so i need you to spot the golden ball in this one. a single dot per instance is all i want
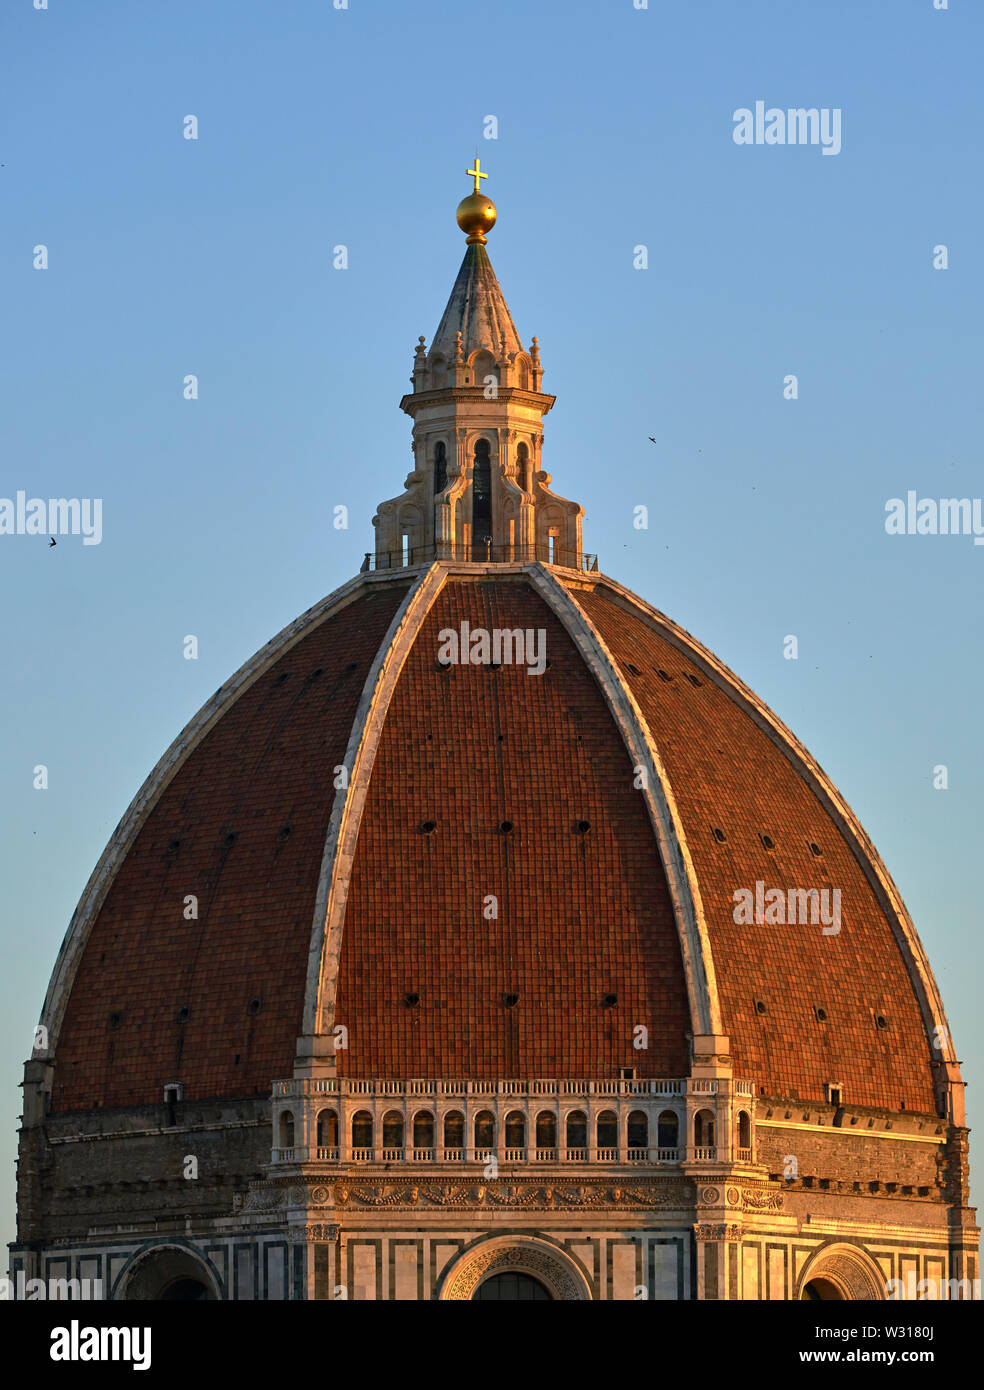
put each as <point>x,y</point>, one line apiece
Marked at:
<point>476,216</point>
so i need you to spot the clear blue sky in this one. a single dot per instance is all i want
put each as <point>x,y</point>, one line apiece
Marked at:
<point>320,127</point>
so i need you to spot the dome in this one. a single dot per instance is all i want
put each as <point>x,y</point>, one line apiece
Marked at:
<point>485,934</point>
<point>492,894</point>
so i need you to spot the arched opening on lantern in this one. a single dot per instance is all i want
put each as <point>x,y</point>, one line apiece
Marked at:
<point>440,466</point>
<point>523,467</point>
<point>481,500</point>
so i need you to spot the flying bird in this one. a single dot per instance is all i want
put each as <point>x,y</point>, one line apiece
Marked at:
<point>53,541</point>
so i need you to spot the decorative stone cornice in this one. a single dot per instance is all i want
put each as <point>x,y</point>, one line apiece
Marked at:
<point>718,1231</point>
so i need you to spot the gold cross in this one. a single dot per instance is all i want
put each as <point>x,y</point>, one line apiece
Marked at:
<point>476,173</point>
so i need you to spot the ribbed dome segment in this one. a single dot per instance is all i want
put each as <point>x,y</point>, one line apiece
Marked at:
<point>474,784</point>
<point>477,309</point>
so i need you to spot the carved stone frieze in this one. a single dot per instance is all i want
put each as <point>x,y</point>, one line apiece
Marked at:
<point>533,1195</point>
<point>760,1199</point>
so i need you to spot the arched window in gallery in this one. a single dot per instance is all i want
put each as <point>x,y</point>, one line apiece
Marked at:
<point>327,1129</point>
<point>546,1130</point>
<point>454,1130</point>
<point>667,1130</point>
<point>362,1130</point>
<point>392,1130</point>
<point>485,1130</point>
<point>744,1130</point>
<point>423,1130</point>
<point>638,1130</point>
<point>515,1130</point>
<point>577,1130</point>
<point>608,1130</point>
<point>704,1129</point>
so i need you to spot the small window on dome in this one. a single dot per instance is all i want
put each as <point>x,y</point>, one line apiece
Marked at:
<point>694,680</point>
<point>663,675</point>
<point>718,834</point>
<point>767,842</point>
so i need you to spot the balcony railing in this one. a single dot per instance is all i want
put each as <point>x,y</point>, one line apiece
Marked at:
<point>337,1109</point>
<point>481,553</point>
<point>632,1154</point>
<point>352,1086</point>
